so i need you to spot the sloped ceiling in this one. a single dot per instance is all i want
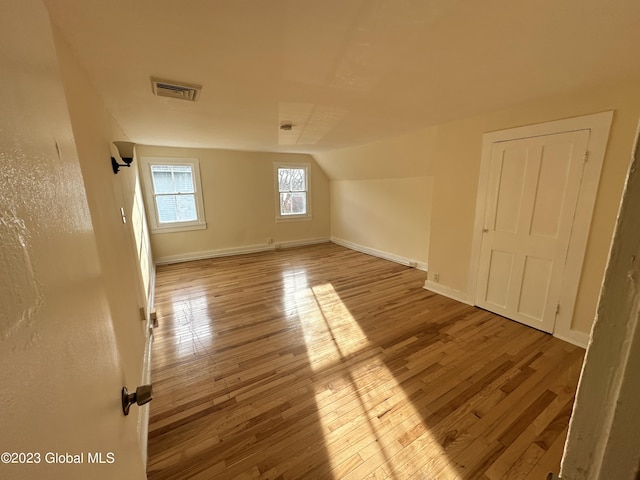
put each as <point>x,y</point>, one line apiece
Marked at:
<point>342,72</point>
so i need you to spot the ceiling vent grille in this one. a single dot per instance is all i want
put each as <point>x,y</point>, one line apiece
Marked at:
<point>179,90</point>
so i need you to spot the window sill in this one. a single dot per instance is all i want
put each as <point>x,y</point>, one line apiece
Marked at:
<point>293,218</point>
<point>179,228</point>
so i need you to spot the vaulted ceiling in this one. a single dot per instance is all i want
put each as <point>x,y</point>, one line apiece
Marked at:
<point>342,72</point>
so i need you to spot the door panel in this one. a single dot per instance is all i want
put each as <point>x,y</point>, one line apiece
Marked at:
<point>511,183</point>
<point>536,278</point>
<point>533,187</point>
<point>554,170</point>
<point>60,366</point>
<point>500,267</point>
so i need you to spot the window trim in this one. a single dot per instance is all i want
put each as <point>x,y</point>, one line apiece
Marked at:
<point>152,210</point>
<point>296,216</point>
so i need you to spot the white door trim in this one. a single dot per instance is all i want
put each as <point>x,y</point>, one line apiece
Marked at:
<point>599,125</point>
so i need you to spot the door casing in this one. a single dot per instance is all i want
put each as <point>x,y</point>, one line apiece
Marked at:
<point>599,125</point>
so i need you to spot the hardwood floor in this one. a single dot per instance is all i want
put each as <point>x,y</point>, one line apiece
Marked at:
<point>321,362</point>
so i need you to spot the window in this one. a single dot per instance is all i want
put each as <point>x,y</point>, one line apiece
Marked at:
<point>173,189</point>
<point>292,187</point>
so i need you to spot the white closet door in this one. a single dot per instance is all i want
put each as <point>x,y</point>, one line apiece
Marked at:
<point>532,190</point>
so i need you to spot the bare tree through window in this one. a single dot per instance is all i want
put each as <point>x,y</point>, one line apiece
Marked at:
<point>292,186</point>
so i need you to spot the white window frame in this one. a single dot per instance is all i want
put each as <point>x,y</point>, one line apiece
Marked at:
<point>298,216</point>
<point>152,210</point>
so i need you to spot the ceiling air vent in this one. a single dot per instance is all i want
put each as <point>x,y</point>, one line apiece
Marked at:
<point>181,91</point>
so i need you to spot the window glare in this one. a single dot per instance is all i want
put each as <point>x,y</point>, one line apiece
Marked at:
<point>186,207</point>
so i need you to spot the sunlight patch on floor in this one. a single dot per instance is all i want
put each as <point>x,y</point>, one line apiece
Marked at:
<point>369,425</point>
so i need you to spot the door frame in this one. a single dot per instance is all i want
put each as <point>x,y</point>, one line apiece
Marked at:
<point>599,125</point>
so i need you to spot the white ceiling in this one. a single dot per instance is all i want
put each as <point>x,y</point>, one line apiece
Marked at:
<point>344,72</point>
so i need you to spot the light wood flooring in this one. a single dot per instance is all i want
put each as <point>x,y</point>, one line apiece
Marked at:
<point>321,362</point>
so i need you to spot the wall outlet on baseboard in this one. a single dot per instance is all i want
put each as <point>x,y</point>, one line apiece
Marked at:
<point>153,319</point>
<point>436,277</point>
<point>269,240</point>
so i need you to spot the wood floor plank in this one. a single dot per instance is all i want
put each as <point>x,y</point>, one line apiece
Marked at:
<point>321,362</point>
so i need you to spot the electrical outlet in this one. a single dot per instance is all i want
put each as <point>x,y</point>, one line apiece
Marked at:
<point>153,318</point>
<point>269,240</point>
<point>436,277</point>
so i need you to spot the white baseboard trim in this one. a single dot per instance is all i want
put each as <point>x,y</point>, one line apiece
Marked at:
<point>380,254</point>
<point>574,337</point>
<point>580,339</point>
<point>151,294</point>
<point>226,252</point>
<point>447,292</point>
<point>143,411</point>
<point>222,252</point>
<point>302,243</point>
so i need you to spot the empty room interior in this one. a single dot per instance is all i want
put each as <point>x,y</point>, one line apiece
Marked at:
<point>341,239</point>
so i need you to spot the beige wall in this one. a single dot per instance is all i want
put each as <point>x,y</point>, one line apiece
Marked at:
<point>239,204</point>
<point>390,216</point>
<point>107,193</point>
<point>381,195</point>
<point>408,155</point>
<point>451,153</point>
